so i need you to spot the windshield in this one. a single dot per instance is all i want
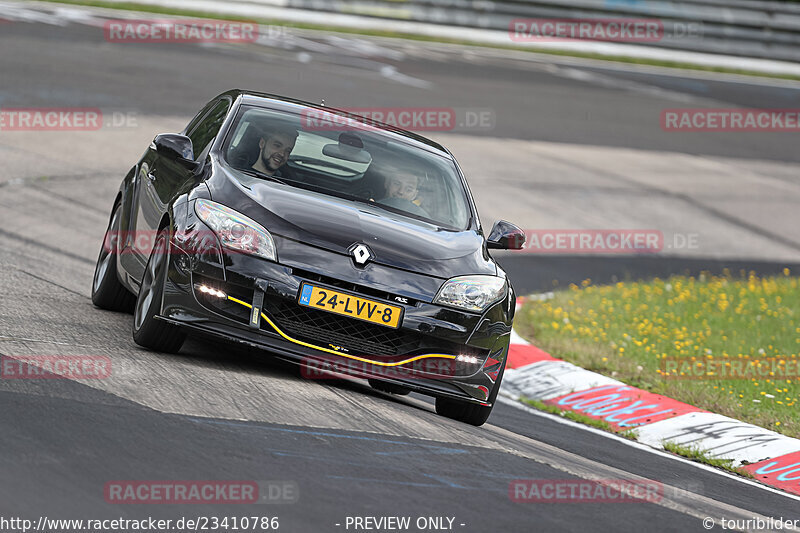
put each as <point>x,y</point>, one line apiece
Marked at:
<point>348,160</point>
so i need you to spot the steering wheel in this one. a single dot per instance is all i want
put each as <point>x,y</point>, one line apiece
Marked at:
<point>405,205</point>
<point>365,192</point>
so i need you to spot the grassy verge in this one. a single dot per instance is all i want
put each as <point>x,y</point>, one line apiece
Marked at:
<point>745,329</point>
<point>163,10</point>
<point>580,418</point>
<point>699,456</point>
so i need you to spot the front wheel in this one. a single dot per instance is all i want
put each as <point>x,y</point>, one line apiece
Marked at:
<point>107,291</point>
<point>148,331</point>
<point>469,413</point>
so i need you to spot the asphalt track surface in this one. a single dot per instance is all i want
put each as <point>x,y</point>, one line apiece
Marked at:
<point>214,412</point>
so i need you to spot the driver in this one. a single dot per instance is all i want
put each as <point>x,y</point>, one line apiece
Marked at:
<point>402,190</point>
<point>403,185</point>
<point>275,145</point>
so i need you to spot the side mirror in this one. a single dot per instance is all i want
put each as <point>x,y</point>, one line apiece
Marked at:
<point>505,236</point>
<point>176,148</point>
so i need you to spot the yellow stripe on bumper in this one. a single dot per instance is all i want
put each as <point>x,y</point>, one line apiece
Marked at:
<point>334,352</point>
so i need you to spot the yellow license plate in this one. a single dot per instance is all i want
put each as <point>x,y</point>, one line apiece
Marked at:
<point>350,305</point>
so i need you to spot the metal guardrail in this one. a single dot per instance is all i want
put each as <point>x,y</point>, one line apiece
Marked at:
<point>750,28</point>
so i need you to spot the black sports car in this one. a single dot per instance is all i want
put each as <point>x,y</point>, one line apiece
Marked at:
<point>340,243</point>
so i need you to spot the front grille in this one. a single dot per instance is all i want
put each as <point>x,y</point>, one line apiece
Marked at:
<point>359,337</point>
<point>355,335</point>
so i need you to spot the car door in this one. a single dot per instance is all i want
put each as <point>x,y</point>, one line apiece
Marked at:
<point>160,179</point>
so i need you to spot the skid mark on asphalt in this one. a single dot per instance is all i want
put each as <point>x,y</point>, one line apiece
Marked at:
<point>495,477</point>
<point>251,426</point>
<point>386,482</point>
<point>328,460</point>
<point>490,483</point>
<point>55,284</point>
<point>30,242</point>
<point>48,194</point>
<point>11,338</point>
<point>447,451</point>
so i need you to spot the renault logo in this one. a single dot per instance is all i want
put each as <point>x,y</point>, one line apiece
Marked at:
<point>361,254</point>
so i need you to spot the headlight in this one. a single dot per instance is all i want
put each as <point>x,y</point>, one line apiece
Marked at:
<point>473,293</point>
<point>236,231</point>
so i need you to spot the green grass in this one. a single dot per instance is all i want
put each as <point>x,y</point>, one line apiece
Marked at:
<point>697,455</point>
<point>580,418</point>
<point>164,10</point>
<point>632,330</point>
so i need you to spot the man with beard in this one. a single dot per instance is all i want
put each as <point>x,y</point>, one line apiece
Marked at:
<point>275,145</point>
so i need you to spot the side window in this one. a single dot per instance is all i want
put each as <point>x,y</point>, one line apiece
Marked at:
<point>193,124</point>
<point>205,131</point>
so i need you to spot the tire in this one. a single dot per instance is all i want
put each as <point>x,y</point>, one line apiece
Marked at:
<point>149,332</point>
<point>107,291</point>
<point>469,413</point>
<point>391,388</point>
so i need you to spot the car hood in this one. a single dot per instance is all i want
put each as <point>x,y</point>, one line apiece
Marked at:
<point>336,224</point>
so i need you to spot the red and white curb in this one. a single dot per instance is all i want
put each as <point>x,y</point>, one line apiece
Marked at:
<point>773,459</point>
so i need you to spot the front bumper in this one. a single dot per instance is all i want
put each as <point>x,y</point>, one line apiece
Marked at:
<point>254,302</point>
